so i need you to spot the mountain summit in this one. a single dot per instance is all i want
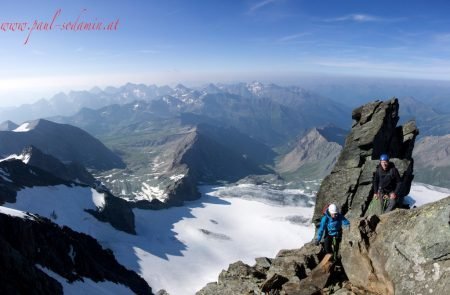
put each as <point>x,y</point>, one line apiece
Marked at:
<point>65,142</point>
<point>312,157</point>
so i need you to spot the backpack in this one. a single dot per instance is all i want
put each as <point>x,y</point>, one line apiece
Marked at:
<point>325,208</point>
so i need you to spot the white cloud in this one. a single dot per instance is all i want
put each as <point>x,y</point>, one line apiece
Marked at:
<point>293,37</point>
<point>361,18</point>
<point>261,4</point>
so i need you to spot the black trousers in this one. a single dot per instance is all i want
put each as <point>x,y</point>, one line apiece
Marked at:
<point>329,241</point>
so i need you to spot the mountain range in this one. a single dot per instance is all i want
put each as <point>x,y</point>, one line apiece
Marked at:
<point>171,142</point>
<point>160,142</point>
<point>97,169</point>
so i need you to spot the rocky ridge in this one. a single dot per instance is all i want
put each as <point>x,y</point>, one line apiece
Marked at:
<point>72,171</point>
<point>374,131</point>
<point>30,244</point>
<point>398,253</point>
<point>308,156</point>
<point>16,175</point>
<point>403,252</point>
<point>65,142</point>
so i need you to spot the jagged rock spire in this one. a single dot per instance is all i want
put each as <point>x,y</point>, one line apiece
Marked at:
<point>374,131</point>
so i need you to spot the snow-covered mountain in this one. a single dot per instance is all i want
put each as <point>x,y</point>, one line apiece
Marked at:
<point>71,172</point>
<point>63,104</point>
<point>64,142</point>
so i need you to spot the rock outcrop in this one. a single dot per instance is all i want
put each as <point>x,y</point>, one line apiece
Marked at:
<point>72,171</point>
<point>279,275</point>
<point>374,131</point>
<point>16,175</point>
<point>118,212</point>
<point>380,255</point>
<point>403,252</point>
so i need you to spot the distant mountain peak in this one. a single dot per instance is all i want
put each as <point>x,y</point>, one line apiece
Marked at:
<point>256,87</point>
<point>24,127</point>
<point>211,89</point>
<point>96,90</point>
<point>333,134</point>
<point>34,124</point>
<point>181,87</point>
<point>8,126</point>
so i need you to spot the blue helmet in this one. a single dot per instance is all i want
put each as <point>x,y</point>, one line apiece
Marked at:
<point>384,157</point>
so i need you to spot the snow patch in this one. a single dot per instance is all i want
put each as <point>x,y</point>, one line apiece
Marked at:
<point>87,286</point>
<point>176,177</point>
<point>422,194</point>
<point>98,199</point>
<point>151,192</point>
<point>23,158</point>
<point>13,212</point>
<point>25,127</point>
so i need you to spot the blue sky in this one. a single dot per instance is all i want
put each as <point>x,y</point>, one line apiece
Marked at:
<point>197,41</point>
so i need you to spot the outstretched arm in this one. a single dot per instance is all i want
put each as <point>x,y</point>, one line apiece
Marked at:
<point>345,221</point>
<point>321,230</point>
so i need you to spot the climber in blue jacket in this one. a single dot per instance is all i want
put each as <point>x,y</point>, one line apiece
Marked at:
<point>331,228</point>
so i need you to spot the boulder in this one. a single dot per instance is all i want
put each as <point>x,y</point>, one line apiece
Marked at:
<point>402,252</point>
<point>240,278</point>
<point>280,275</point>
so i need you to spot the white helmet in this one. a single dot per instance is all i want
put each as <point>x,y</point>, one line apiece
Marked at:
<point>332,209</point>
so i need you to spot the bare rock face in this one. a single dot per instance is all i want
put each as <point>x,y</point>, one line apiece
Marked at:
<point>313,157</point>
<point>280,275</point>
<point>29,242</point>
<point>380,255</point>
<point>374,132</point>
<point>403,252</point>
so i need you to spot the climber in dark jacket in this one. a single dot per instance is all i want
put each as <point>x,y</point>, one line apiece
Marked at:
<point>386,183</point>
<point>331,228</point>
